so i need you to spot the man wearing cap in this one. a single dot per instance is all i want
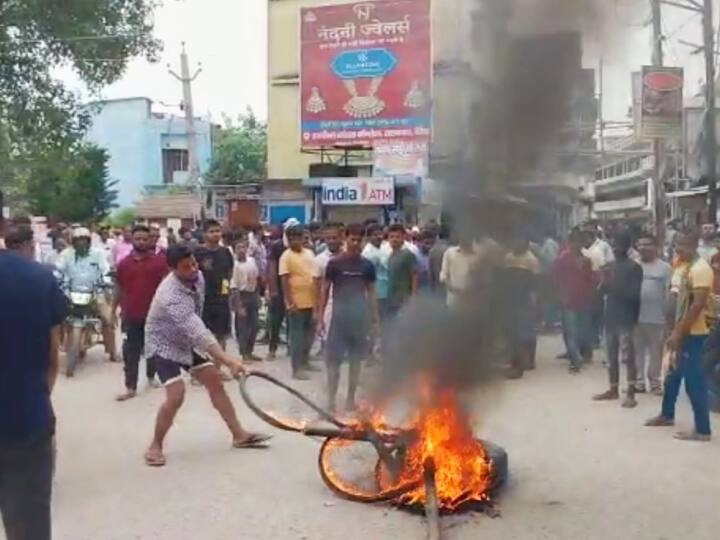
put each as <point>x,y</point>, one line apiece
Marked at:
<point>276,300</point>
<point>81,265</point>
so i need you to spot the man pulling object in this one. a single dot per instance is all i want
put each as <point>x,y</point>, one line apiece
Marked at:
<point>173,333</point>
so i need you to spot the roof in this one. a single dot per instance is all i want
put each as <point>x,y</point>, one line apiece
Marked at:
<point>116,100</point>
<point>692,192</point>
<point>183,206</point>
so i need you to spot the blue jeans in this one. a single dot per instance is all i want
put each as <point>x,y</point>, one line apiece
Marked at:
<point>689,367</point>
<point>576,331</point>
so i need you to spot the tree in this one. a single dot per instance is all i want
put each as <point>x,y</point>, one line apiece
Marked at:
<point>240,151</point>
<point>74,187</point>
<point>38,115</point>
<point>123,217</point>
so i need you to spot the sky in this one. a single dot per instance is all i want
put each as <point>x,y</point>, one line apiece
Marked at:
<point>229,39</point>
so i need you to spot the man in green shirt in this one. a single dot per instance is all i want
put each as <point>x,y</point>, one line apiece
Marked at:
<point>402,270</point>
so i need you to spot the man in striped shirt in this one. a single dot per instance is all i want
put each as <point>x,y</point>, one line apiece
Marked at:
<point>176,339</point>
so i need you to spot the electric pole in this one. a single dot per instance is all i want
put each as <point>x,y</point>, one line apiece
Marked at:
<point>709,147</point>
<point>710,138</point>
<point>658,144</point>
<point>186,79</point>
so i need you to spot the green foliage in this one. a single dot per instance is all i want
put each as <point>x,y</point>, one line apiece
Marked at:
<point>72,187</point>
<point>240,151</point>
<point>123,217</point>
<point>39,117</point>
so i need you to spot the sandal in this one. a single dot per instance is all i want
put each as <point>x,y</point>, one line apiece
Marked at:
<point>691,436</point>
<point>154,458</point>
<point>659,421</point>
<point>130,394</point>
<point>253,440</point>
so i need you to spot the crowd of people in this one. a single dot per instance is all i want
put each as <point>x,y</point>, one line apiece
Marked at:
<point>655,309</point>
<point>336,289</point>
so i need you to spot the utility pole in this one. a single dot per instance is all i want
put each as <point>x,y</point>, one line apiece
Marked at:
<point>709,148</point>
<point>710,138</point>
<point>658,144</point>
<point>186,79</point>
<point>600,97</point>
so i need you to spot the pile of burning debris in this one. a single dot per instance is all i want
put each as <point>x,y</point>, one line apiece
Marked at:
<point>432,462</point>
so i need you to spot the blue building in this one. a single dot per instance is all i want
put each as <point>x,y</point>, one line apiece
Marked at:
<point>148,150</point>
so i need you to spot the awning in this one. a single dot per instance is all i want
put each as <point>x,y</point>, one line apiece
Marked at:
<point>183,206</point>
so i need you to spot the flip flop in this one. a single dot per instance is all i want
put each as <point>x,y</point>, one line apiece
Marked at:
<point>691,436</point>
<point>255,440</point>
<point>154,460</point>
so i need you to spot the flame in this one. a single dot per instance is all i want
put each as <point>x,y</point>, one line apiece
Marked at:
<point>463,471</point>
<point>442,433</point>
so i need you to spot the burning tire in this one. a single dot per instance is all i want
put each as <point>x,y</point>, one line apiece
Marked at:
<point>388,493</point>
<point>336,484</point>
<point>501,463</point>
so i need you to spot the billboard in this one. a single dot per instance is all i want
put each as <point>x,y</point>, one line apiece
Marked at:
<point>662,102</point>
<point>358,191</point>
<point>401,158</point>
<point>365,73</point>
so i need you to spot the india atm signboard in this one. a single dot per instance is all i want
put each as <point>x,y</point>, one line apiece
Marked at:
<point>358,191</point>
<point>365,73</point>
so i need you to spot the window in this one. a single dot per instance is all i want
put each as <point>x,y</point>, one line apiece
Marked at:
<point>173,160</point>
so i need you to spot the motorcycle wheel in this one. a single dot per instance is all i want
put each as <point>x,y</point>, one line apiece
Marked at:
<point>73,350</point>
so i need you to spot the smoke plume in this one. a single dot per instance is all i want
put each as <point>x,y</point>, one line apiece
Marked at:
<point>530,81</point>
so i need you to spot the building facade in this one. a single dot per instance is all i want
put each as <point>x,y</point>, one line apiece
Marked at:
<point>623,184</point>
<point>472,43</point>
<point>453,72</point>
<point>148,150</point>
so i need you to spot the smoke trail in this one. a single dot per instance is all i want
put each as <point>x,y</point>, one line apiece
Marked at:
<point>517,117</point>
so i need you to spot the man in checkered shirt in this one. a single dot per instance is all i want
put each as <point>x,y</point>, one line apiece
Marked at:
<point>177,339</point>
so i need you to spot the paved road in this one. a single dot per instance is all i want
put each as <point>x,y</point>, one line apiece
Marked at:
<point>580,470</point>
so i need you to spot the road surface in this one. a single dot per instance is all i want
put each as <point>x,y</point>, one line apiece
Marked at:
<point>579,469</point>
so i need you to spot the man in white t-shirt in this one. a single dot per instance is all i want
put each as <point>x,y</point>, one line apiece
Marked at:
<point>707,248</point>
<point>332,236</point>
<point>457,266</point>
<point>600,254</point>
<point>244,299</point>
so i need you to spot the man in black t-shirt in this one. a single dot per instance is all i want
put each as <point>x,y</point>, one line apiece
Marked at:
<point>216,263</point>
<point>354,315</point>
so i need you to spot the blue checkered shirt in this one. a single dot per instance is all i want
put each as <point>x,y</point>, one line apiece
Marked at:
<point>174,327</point>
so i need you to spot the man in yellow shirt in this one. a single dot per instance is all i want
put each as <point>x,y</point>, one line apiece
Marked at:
<point>692,284</point>
<point>297,274</point>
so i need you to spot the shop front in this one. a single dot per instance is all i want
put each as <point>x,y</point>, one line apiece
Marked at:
<point>354,200</point>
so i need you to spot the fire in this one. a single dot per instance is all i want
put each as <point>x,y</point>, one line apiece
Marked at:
<point>439,432</point>
<point>463,470</point>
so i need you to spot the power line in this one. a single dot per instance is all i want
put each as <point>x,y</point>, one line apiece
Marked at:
<point>671,45</point>
<point>105,37</point>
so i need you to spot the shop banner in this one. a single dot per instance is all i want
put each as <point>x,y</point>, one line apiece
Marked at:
<point>400,158</point>
<point>662,102</point>
<point>358,191</point>
<point>365,73</point>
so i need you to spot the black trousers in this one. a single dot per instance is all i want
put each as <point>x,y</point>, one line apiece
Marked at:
<point>300,323</point>
<point>246,328</point>
<point>26,471</point>
<point>132,351</point>
<point>276,314</point>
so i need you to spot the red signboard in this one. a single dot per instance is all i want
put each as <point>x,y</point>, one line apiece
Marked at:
<point>662,102</point>
<point>366,73</point>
